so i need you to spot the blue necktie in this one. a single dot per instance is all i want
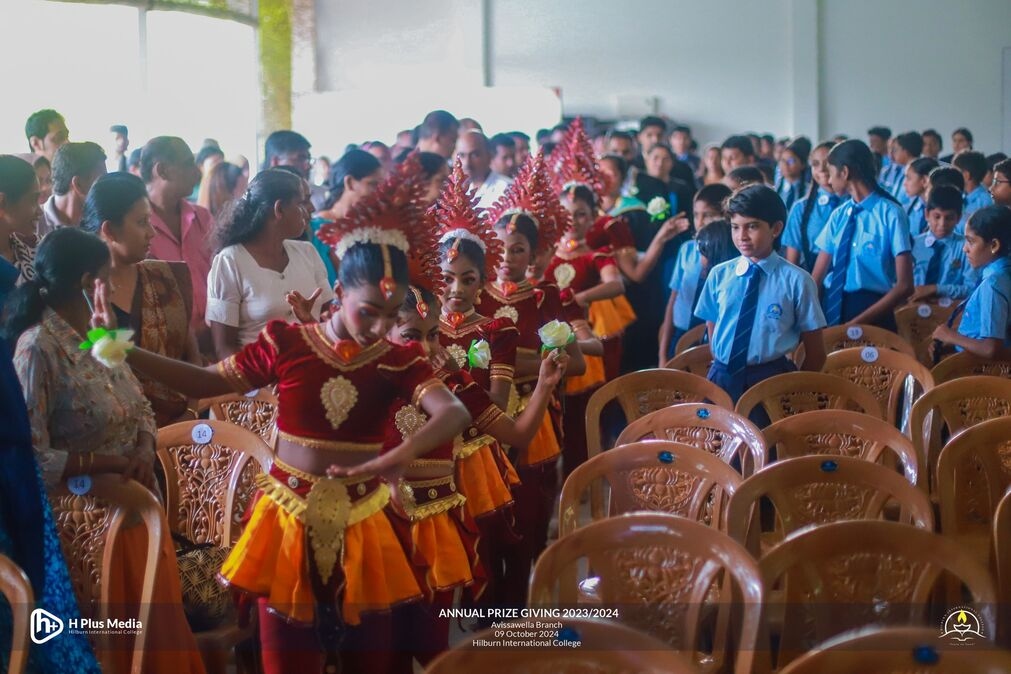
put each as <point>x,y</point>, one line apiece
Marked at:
<point>934,266</point>
<point>745,322</point>
<point>703,274</point>
<point>961,306</point>
<point>840,265</point>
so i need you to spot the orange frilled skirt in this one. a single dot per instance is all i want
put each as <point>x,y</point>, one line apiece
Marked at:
<point>484,475</point>
<point>609,318</point>
<point>170,646</point>
<point>544,446</point>
<point>442,550</point>
<point>589,380</point>
<point>271,558</point>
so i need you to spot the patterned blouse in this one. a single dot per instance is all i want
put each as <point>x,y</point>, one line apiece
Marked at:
<point>75,403</point>
<point>24,256</point>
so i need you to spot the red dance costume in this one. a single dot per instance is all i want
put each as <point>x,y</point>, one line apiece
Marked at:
<point>579,273</point>
<point>338,397</point>
<point>531,308</point>
<point>432,524</point>
<point>609,318</point>
<point>484,473</point>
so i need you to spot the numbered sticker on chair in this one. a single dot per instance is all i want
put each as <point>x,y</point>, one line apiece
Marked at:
<point>79,484</point>
<point>869,354</point>
<point>202,434</point>
<point>854,332</point>
<point>944,302</point>
<point>924,311</point>
<point>252,394</point>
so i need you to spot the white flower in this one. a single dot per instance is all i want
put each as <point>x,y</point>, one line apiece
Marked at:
<point>555,334</point>
<point>565,274</point>
<point>110,350</point>
<point>386,237</point>
<point>656,206</point>
<point>479,354</point>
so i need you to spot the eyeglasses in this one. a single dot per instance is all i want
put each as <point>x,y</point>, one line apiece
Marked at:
<point>997,181</point>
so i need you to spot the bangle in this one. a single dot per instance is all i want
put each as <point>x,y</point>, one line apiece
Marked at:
<point>196,415</point>
<point>91,461</point>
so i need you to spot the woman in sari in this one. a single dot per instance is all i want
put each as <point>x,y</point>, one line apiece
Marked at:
<point>89,417</point>
<point>151,297</point>
<point>19,211</point>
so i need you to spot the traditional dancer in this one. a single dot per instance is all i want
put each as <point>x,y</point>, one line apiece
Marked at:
<point>319,547</point>
<point>528,221</point>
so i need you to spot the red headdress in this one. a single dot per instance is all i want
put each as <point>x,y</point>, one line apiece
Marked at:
<point>392,216</point>
<point>456,215</point>
<point>577,161</point>
<point>532,194</point>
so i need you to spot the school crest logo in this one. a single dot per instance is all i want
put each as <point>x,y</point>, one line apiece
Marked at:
<point>962,625</point>
<point>774,311</point>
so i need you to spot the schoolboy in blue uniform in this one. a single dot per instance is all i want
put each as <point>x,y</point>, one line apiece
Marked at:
<point>865,260</point>
<point>940,268</point>
<point>908,147</point>
<point>973,166</point>
<point>759,307</point>
<point>986,314</point>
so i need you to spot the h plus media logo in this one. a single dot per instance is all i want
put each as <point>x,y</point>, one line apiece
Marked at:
<point>45,626</point>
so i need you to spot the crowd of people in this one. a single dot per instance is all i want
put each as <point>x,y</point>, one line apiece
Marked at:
<point>433,315</point>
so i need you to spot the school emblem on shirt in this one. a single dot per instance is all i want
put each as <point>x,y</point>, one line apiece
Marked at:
<point>929,241</point>
<point>774,311</point>
<point>823,200</point>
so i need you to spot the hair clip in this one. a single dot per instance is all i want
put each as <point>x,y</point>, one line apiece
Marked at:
<point>386,284</point>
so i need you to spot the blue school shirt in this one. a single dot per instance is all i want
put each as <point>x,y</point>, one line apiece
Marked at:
<point>891,173</point>
<point>957,275</point>
<point>684,281</point>
<point>882,234</point>
<point>976,200</point>
<point>789,192</point>
<point>899,191</point>
<point>917,214</point>
<point>825,203</point>
<point>787,306</point>
<point>987,313</point>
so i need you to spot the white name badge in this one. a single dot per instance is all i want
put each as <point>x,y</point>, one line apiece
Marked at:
<point>79,484</point>
<point>202,434</point>
<point>854,332</point>
<point>869,354</point>
<point>924,311</point>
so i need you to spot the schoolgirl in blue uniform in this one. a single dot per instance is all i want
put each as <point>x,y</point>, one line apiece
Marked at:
<point>940,268</point>
<point>688,276</point>
<point>986,314</point>
<point>793,178</point>
<point>809,215</point>
<point>865,262</point>
<point>713,245</point>
<point>758,306</point>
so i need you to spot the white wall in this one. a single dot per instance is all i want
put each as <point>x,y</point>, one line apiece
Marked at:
<point>914,65</point>
<point>784,66</point>
<point>719,65</point>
